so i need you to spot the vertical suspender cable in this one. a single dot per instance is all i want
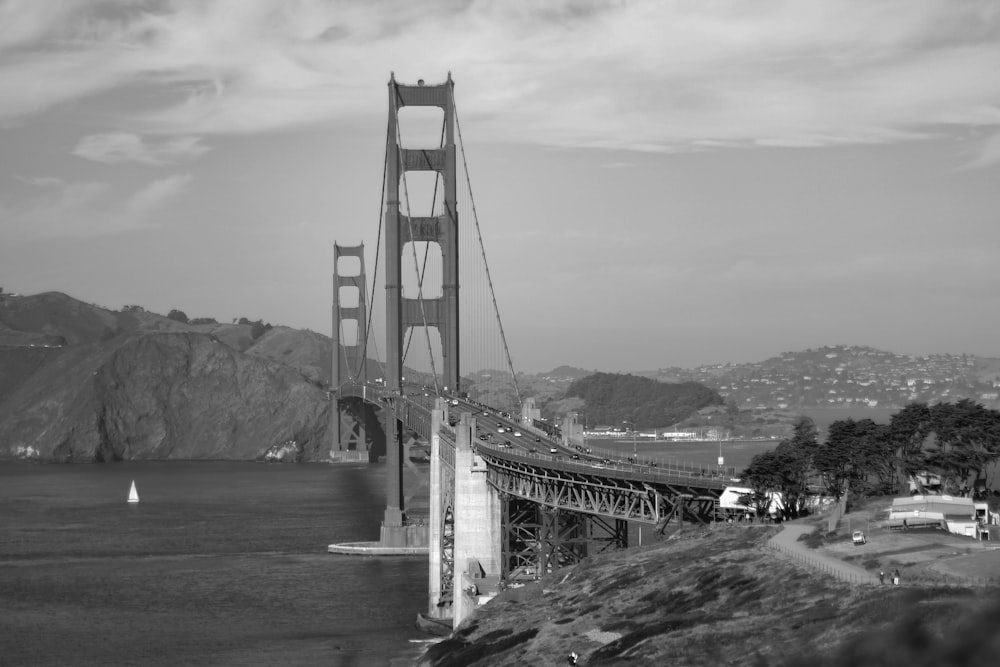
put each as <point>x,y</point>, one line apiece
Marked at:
<point>378,244</point>
<point>482,250</point>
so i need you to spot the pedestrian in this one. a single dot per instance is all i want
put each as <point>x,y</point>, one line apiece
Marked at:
<point>881,576</point>
<point>895,577</point>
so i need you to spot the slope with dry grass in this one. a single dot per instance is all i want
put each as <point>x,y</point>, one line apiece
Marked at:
<point>718,597</point>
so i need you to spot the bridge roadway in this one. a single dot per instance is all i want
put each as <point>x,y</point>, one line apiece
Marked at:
<point>527,463</point>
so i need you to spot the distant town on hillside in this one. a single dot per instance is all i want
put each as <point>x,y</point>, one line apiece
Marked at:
<point>838,376</point>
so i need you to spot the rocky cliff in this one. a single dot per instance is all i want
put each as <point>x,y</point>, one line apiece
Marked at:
<point>81,383</point>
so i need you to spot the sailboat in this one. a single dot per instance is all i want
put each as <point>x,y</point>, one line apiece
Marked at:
<point>133,495</point>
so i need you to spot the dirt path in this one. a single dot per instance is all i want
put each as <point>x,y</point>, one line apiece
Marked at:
<point>787,542</point>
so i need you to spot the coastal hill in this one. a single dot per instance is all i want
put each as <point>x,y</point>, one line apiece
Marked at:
<point>723,597</point>
<point>611,398</point>
<point>844,376</point>
<point>81,383</point>
<point>832,376</point>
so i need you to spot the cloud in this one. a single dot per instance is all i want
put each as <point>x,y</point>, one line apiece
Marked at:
<point>646,76</point>
<point>118,147</point>
<point>90,209</point>
<point>157,194</point>
<point>40,181</point>
<point>989,153</point>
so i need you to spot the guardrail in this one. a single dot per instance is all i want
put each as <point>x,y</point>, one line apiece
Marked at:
<point>616,468</point>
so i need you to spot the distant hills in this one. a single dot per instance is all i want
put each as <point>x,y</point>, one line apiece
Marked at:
<point>84,383</point>
<point>837,376</point>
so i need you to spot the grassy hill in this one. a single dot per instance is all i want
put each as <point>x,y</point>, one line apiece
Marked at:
<point>722,597</point>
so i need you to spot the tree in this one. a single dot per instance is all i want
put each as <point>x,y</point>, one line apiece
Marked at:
<point>796,460</point>
<point>763,476</point>
<point>965,442</point>
<point>177,315</point>
<point>908,430</point>
<point>853,450</point>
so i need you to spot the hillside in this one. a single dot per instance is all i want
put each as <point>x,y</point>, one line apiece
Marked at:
<point>134,385</point>
<point>722,597</point>
<point>844,376</point>
<point>610,399</point>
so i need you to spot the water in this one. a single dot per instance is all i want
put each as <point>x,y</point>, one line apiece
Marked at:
<point>219,564</point>
<point>736,453</point>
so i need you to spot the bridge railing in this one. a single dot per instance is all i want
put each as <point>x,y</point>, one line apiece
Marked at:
<point>615,468</point>
<point>696,469</point>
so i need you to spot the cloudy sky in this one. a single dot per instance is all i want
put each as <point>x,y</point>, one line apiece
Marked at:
<point>657,183</point>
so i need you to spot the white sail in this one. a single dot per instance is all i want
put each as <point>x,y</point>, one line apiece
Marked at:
<point>133,495</point>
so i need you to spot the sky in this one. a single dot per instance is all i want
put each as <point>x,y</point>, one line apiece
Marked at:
<point>657,184</point>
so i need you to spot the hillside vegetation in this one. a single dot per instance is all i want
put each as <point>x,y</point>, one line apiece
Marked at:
<point>722,597</point>
<point>612,398</point>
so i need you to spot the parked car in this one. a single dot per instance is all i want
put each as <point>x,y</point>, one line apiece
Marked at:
<point>858,537</point>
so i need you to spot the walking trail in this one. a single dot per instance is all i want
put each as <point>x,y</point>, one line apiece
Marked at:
<point>787,542</point>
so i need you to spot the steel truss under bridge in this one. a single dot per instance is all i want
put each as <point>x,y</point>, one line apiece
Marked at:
<point>538,540</point>
<point>604,492</point>
<point>555,514</point>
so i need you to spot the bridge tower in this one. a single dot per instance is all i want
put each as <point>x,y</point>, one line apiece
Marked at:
<point>349,372</point>
<point>402,228</point>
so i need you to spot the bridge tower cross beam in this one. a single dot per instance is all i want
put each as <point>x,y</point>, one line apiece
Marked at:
<point>400,229</point>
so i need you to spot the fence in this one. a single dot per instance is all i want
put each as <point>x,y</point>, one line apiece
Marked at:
<point>823,564</point>
<point>831,565</point>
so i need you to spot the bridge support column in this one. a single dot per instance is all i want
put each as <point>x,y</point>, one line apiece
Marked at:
<point>477,527</point>
<point>572,432</point>
<point>437,607</point>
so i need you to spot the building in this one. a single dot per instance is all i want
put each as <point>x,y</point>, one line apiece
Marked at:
<point>957,515</point>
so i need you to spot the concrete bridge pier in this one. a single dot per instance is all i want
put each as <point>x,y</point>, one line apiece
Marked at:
<point>477,527</point>
<point>440,561</point>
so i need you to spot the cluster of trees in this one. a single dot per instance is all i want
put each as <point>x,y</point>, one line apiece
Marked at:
<point>613,398</point>
<point>954,442</point>
<point>257,327</point>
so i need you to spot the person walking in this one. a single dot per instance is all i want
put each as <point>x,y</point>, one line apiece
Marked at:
<point>881,576</point>
<point>895,577</point>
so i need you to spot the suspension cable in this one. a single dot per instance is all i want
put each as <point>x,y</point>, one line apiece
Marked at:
<point>482,250</point>
<point>378,245</point>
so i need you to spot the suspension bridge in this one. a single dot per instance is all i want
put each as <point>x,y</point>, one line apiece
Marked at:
<point>511,497</point>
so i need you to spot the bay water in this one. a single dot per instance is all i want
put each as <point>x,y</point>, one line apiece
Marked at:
<point>220,563</point>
